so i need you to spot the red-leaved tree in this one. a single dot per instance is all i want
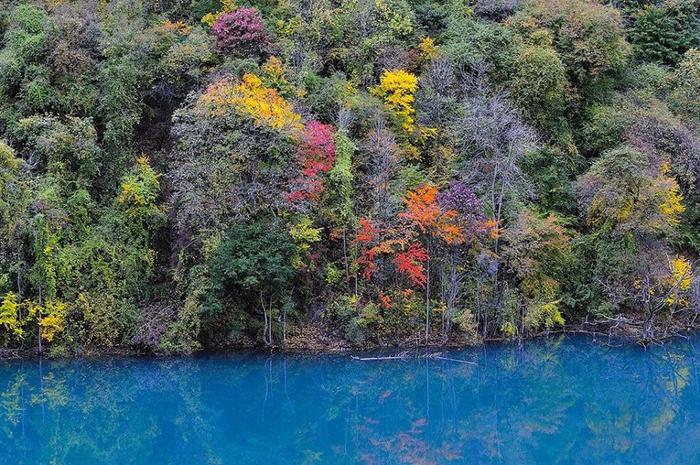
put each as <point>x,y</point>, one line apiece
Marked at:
<point>240,32</point>
<point>315,157</point>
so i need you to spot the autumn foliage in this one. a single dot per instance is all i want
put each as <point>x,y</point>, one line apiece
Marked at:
<point>423,211</point>
<point>397,88</point>
<point>253,99</point>
<point>410,262</point>
<point>240,32</point>
<point>389,170</point>
<point>315,157</point>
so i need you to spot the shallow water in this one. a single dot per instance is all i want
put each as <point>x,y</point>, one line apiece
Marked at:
<point>565,400</point>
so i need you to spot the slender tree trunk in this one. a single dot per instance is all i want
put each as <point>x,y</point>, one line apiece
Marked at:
<point>265,328</point>
<point>452,293</point>
<point>267,319</point>
<point>345,256</point>
<point>356,286</point>
<point>427,296</point>
<point>38,319</point>
<point>269,316</point>
<point>284,326</point>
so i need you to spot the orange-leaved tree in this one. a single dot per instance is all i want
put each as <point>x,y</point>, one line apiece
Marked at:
<point>424,214</point>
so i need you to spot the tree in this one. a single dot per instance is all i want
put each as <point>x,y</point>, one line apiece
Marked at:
<point>492,140</point>
<point>423,214</point>
<point>664,32</point>
<point>473,44</point>
<point>10,317</point>
<point>539,252</point>
<point>254,264</point>
<point>14,201</point>
<point>65,148</point>
<point>685,96</point>
<point>236,145</point>
<point>539,86</point>
<point>339,198</point>
<point>240,32</point>
<point>23,78</point>
<point>315,157</point>
<point>631,205</point>
<point>458,197</point>
<point>382,165</point>
<point>397,88</point>
<point>626,193</point>
<point>588,36</point>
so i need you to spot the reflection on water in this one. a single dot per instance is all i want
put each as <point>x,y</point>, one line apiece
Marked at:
<point>559,401</point>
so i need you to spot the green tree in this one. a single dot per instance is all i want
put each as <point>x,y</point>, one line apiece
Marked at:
<point>538,250</point>
<point>539,86</point>
<point>685,96</point>
<point>255,264</point>
<point>664,32</point>
<point>588,36</point>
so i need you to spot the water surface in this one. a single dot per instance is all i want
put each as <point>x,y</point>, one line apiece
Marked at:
<point>560,401</point>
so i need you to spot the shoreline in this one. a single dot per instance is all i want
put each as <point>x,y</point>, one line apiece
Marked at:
<point>345,348</point>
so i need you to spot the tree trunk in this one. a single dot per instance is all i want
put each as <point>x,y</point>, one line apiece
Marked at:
<point>427,295</point>
<point>284,326</point>
<point>38,319</point>
<point>452,293</point>
<point>345,256</point>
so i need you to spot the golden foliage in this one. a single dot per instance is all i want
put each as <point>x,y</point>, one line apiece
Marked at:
<point>679,281</point>
<point>671,205</point>
<point>227,6</point>
<point>178,27</point>
<point>9,309</point>
<point>51,320</point>
<point>304,235</point>
<point>251,98</point>
<point>398,88</point>
<point>428,48</point>
<point>50,316</point>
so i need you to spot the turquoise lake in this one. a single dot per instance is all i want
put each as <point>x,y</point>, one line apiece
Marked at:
<point>566,400</point>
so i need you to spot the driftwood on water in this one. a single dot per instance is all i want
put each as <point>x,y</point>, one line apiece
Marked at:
<point>407,356</point>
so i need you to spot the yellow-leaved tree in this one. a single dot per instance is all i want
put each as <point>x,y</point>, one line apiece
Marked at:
<point>16,315</point>
<point>51,318</point>
<point>397,88</point>
<point>227,6</point>
<point>253,99</point>
<point>679,281</point>
<point>9,315</point>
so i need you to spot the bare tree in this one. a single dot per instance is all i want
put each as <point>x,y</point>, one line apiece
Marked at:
<point>496,8</point>
<point>492,140</point>
<point>383,165</point>
<point>437,91</point>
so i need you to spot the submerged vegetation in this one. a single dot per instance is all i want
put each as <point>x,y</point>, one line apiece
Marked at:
<point>187,174</point>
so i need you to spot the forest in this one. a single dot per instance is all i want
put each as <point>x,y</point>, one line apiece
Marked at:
<point>180,175</point>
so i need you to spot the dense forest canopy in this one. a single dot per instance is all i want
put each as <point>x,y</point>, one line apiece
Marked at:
<point>181,174</point>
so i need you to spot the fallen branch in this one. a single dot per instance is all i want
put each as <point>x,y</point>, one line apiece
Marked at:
<point>454,360</point>
<point>405,356</point>
<point>366,359</point>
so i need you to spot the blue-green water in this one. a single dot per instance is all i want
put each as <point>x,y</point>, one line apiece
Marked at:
<point>567,400</point>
